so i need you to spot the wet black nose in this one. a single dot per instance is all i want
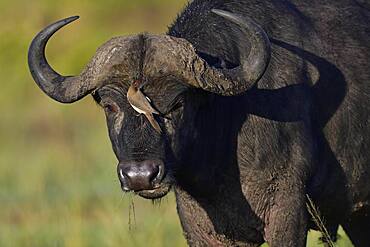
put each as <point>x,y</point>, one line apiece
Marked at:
<point>144,175</point>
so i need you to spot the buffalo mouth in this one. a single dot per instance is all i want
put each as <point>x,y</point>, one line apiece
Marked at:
<point>156,193</point>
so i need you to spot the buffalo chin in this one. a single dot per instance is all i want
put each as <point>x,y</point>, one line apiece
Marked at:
<point>156,193</point>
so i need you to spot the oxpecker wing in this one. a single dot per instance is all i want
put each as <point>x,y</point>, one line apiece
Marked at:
<point>142,105</point>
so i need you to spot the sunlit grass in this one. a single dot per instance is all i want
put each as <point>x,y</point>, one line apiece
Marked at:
<point>58,183</point>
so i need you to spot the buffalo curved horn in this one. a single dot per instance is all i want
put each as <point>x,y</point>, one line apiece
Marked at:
<point>65,89</point>
<point>235,81</point>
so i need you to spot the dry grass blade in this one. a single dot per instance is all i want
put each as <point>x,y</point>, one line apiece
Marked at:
<point>131,225</point>
<point>314,212</point>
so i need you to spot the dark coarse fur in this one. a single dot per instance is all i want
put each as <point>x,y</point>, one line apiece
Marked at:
<point>241,166</point>
<point>248,161</point>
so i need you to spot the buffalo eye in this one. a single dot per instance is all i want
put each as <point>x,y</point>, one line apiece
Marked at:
<point>174,106</point>
<point>110,108</point>
<point>106,103</point>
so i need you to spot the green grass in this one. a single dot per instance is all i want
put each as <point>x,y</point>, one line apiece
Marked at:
<point>58,183</point>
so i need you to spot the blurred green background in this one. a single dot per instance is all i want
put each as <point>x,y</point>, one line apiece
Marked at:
<point>58,183</point>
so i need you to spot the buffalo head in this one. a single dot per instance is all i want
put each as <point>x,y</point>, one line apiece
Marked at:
<point>142,82</point>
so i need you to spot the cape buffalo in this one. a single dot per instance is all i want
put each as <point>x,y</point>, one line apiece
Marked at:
<point>244,107</point>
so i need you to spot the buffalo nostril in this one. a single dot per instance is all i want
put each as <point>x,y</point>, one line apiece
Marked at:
<point>123,179</point>
<point>158,174</point>
<point>154,173</point>
<point>138,176</point>
<point>122,176</point>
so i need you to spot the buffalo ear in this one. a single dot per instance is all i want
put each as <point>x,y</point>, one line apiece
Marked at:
<point>217,62</point>
<point>221,76</point>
